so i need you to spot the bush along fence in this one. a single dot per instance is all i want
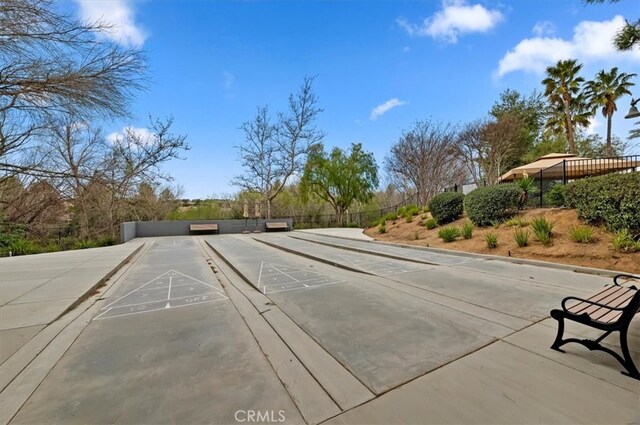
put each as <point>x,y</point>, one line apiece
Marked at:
<point>355,219</point>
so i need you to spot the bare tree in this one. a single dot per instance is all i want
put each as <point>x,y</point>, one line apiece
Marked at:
<point>52,65</point>
<point>471,149</point>
<point>275,152</point>
<point>426,156</point>
<point>500,140</point>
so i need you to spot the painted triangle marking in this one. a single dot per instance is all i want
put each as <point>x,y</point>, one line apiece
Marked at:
<point>167,306</point>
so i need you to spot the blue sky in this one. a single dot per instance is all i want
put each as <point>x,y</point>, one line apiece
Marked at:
<point>380,65</point>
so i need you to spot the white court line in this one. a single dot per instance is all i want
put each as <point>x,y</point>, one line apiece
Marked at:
<point>358,266</point>
<point>309,287</point>
<point>291,277</point>
<point>161,301</point>
<point>260,274</point>
<point>159,277</point>
<point>155,309</point>
<point>301,281</point>
<point>170,281</point>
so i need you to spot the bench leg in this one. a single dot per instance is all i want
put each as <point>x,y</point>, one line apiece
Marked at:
<point>557,314</point>
<point>631,371</point>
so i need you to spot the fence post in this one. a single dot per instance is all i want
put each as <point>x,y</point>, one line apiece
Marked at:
<point>540,188</point>
<point>564,171</point>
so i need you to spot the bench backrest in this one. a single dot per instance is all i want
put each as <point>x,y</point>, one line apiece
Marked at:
<point>277,225</point>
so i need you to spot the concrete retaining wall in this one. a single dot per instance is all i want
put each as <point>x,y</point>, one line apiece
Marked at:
<point>140,229</point>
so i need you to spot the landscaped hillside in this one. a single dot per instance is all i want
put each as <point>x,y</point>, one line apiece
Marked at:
<point>599,253</point>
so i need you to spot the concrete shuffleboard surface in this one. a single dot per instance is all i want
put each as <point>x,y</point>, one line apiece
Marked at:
<point>167,347</point>
<point>385,337</point>
<point>501,286</point>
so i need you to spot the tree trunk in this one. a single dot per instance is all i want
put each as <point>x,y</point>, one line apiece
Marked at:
<point>609,146</point>
<point>268,208</point>
<point>569,127</point>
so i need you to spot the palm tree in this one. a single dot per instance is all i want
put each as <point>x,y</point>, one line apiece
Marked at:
<point>604,91</point>
<point>567,104</point>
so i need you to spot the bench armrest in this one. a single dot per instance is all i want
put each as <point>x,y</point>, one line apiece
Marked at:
<point>615,279</point>
<point>564,307</point>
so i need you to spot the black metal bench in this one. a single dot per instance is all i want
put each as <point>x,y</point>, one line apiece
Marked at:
<point>277,225</point>
<point>609,310</point>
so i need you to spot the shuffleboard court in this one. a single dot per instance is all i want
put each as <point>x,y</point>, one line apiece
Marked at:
<point>384,336</point>
<point>171,289</point>
<point>190,358</point>
<point>399,252</point>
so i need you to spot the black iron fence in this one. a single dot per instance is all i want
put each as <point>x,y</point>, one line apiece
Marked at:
<point>570,170</point>
<point>351,219</point>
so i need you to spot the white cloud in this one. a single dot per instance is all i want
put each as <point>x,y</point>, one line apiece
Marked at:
<point>455,18</point>
<point>142,134</point>
<point>385,107</point>
<point>544,28</point>
<point>592,41</point>
<point>117,13</point>
<point>592,128</point>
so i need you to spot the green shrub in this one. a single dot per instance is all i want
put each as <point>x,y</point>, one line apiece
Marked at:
<point>84,244</point>
<point>612,200</point>
<point>51,247</point>
<point>22,247</point>
<point>517,222</point>
<point>430,223</point>
<point>624,242</point>
<point>555,196</point>
<point>491,238</point>
<point>390,216</point>
<point>449,233</point>
<point>446,207</point>
<point>105,241</point>
<point>542,228</point>
<point>467,230</point>
<point>408,217</point>
<point>382,229</point>
<point>400,211</point>
<point>485,204</point>
<point>521,236</point>
<point>411,209</point>
<point>582,234</point>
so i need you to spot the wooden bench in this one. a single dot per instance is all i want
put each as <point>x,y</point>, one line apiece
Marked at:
<point>202,228</point>
<point>609,310</point>
<point>279,225</point>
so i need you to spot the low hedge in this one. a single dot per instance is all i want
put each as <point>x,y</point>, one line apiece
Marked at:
<point>491,203</point>
<point>612,200</point>
<point>446,207</point>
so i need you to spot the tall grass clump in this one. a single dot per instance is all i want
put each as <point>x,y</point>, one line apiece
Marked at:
<point>382,228</point>
<point>521,236</point>
<point>430,223</point>
<point>542,228</point>
<point>624,242</point>
<point>467,230</point>
<point>582,234</point>
<point>491,238</point>
<point>449,233</point>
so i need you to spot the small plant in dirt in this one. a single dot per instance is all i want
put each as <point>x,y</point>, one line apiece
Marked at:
<point>624,242</point>
<point>517,222</point>
<point>521,236</point>
<point>496,224</point>
<point>390,216</point>
<point>449,233</point>
<point>408,217</point>
<point>430,223</point>
<point>542,228</point>
<point>467,230</point>
<point>416,236</point>
<point>491,238</point>
<point>528,187</point>
<point>382,228</point>
<point>424,216</point>
<point>582,234</point>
